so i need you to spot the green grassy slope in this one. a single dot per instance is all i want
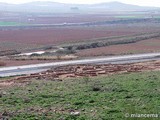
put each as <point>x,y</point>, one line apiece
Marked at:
<point>99,98</point>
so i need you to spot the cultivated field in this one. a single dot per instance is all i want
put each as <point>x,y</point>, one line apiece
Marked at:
<point>146,46</point>
<point>71,18</point>
<point>16,39</point>
<point>35,38</point>
<point>100,25</point>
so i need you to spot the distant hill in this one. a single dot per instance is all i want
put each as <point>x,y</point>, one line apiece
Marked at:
<point>54,7</point>
<point>121,6</point>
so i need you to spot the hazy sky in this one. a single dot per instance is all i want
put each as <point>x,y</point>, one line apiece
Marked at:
<point>136,2</point>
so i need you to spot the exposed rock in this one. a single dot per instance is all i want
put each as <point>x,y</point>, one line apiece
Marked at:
<point>75,113</point>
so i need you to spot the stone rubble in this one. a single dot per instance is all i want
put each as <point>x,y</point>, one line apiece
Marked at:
<point>77,71</point>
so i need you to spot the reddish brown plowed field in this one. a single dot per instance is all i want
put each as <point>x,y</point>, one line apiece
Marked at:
<point>152,45</point>
<point>12,39</point>
<point>55,36</point>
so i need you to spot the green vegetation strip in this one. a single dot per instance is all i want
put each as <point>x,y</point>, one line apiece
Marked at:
<point>11,24</point>
<point>99,98</point>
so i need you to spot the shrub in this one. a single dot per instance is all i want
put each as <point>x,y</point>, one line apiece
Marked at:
<point>96,88</point>
<point>66,51</point>
<point>34,54</point>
